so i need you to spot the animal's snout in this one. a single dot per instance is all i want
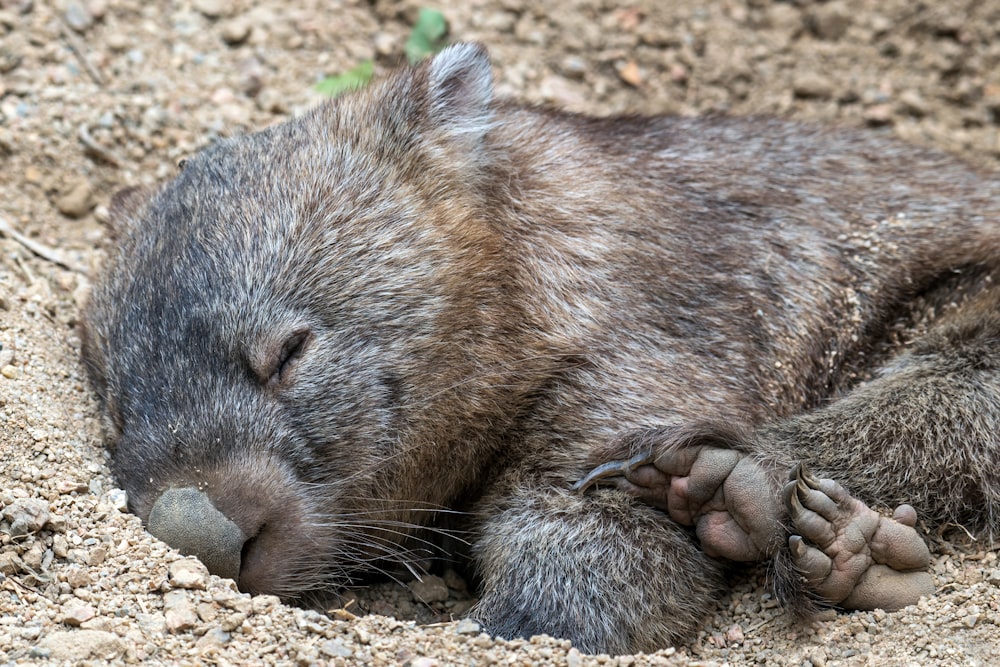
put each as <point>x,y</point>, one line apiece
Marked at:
<point>186,519</point>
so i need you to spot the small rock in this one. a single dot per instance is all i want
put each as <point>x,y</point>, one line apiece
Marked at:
<point>423,661</point>
<point>212,639</point>
<point>9,372</point>
<point>385,44</point>
<point>77,201</point>
<point>97,555</point>
<point>78,17</point>
<point>878,114</point>
<point>271,101</point>
<point>77,577</point>
<point>734,635</point>
<point>574,67</point>
<point>818,656</point>
<point>118,42</point>
<point>431,589</point>
<point>34,556</point>
<point>233,621</point>
<point>236,601</point>
<point>261,604</point>
<point>630,73</point>
<point>75,613</point>
<point>118,499</point>
<point>235,31</point>
<point>251,77</point>
<point>188,573</point>
<point>10,563</point>
<point>913,103</point>
<point>82,645</point>
<point>26,516</point>
<point>97,8</point>
<point>573,658</point>
<point>207,612</point>
<point>9,60</point>
<point>33,174</point>
<point>334,648</point>
<point>812,85</point>
<point>60,547</point>
<point>213,9</point>
<point>98,623</point>
<point>467,626</point>
<point>970,620</point>
<point>830,21</point>
<point>67,486</point>
<point>151,625</point>
<point>178,612</point>
<point>312,621</point>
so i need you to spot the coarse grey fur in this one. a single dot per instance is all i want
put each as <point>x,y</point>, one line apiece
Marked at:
<point>417,300</point>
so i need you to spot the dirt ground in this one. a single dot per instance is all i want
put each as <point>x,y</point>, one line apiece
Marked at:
<point>100,94</point>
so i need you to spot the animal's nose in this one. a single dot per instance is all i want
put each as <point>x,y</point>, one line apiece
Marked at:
<point>186,519</point>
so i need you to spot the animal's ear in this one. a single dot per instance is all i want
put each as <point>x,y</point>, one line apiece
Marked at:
<point>126,207</point>
<point>460,90</point>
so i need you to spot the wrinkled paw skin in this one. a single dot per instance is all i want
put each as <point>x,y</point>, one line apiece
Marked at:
<point>724,494</point>
<point>851,555</point>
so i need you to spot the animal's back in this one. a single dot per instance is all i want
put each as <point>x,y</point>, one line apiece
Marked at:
<point>743,267</point>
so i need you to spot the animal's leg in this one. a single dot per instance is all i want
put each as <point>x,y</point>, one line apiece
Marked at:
<point>601,570</point>
<point>926,430</point>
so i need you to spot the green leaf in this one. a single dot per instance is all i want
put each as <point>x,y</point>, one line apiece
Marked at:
<point>428,36</point>
<point>356,77</point>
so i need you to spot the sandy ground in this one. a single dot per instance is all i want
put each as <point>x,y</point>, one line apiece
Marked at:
<point>96,95</point>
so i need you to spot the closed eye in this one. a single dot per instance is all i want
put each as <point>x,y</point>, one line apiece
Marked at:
<point>290,352</point>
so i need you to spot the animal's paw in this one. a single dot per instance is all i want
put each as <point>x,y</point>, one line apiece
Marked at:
<point>851,555</point>
<point>730,499</point>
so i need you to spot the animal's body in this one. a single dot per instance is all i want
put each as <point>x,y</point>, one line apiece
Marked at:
<point>419,298</point>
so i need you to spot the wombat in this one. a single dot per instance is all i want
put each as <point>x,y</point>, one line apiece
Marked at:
<point>597,349</point>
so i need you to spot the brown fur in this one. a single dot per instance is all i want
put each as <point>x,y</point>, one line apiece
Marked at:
<point>486,295</point>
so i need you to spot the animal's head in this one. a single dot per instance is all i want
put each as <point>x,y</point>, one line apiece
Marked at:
<point>300,338</point>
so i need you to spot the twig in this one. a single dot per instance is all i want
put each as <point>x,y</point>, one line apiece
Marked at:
<point>77,47</point>
<point>46,253</point>
<point>97,149</point>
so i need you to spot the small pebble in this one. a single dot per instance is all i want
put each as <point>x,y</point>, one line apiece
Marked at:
<point>178,612</point>
<point>334,648</point>
<point>26,516</point>
<point>235,31</point>
<point>213,8</point>
<point>467,626</point>
<point>75,613</point>
<point>212,639</point>
<point>77,200</point>
<point>78,17</point>
<point>431,589</point>
<point>188,573</point>
<point>812,85</point>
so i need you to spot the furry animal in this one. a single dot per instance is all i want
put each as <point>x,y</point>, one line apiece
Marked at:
<point>601,346</point>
